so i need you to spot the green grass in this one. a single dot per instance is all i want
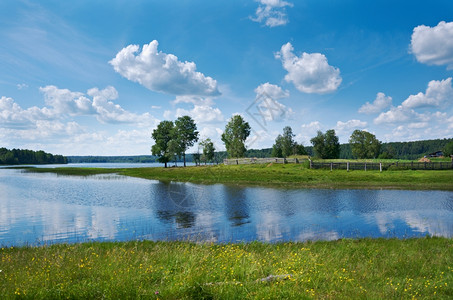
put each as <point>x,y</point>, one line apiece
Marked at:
<point>344,269</point>
<point>289,175</point>
<point>440,159</point>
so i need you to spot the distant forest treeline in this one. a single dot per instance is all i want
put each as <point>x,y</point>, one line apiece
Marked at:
<point>403,150</point>
<point>397,150</point>
<point>24,157</point>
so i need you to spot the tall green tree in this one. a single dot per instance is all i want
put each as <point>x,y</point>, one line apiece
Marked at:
<point>208,150</point>
<point>236,132</point>
<point>288,142</point>
<point>319,145</point>
<point>364,144</point>
<point>299,149</point>
<point>332,144</point>
<point>448,149</point>
<point>162,135</point>
<point>174,150</point>
<point>326,145</point>
<point>285,145</point>
<point>277,147</point>
<point>197,158</point>
<point>186,134</point>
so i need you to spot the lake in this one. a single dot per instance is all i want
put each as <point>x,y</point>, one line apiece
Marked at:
<point>37,209</point>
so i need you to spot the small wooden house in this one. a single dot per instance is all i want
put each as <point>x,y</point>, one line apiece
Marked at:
<point>436,154</point>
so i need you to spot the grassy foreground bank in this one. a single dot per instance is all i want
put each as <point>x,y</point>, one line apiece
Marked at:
<point>344,269</point>
<point>290,175</point>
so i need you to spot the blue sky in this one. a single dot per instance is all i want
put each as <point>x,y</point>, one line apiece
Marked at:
<point>96,77</point>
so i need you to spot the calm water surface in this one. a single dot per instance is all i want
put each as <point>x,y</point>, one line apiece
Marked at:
<point>46,208</point>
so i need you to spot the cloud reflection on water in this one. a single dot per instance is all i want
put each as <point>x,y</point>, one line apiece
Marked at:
<point>37,209</point>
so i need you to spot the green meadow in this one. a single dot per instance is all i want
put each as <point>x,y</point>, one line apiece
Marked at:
<point>344,269</point>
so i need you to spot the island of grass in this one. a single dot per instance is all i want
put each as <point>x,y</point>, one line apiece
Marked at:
<point>281,175</point>
<point>344,269</point>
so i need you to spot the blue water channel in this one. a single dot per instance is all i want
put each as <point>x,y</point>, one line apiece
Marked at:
<point>38,209</point>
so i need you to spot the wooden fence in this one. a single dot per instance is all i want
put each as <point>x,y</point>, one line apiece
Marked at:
<point>414,165</point>
<point>381,166</point>
<point>268,160</point>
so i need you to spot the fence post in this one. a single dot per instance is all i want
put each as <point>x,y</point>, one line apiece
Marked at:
<point>365,166</point>
<point>347,166</point>
<point>380,167</point>
<point>331,166</point>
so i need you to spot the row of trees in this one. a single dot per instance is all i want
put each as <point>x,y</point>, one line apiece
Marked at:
<point>326,145</point>
<point>172,139</point>
<point>23,157</point>
<point>363,145</point>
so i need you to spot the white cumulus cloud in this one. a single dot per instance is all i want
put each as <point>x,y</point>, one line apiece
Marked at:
<point>399,114</point>
<point>196,100</point>
<point>62,107</point>
<point>349,126</point>
<point>311,72</point>
<point>107,111</point>
<point>272,12</point>
<point>433,45</point>
<point>162,72</point>
<point>380,103</point>
<point>63,101</point>
<point>308,131</point>
<point>272,90</point>
<point>267,106</point>
<point>202,114</point>
<point>438,93</point>
<point>14,116</point>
